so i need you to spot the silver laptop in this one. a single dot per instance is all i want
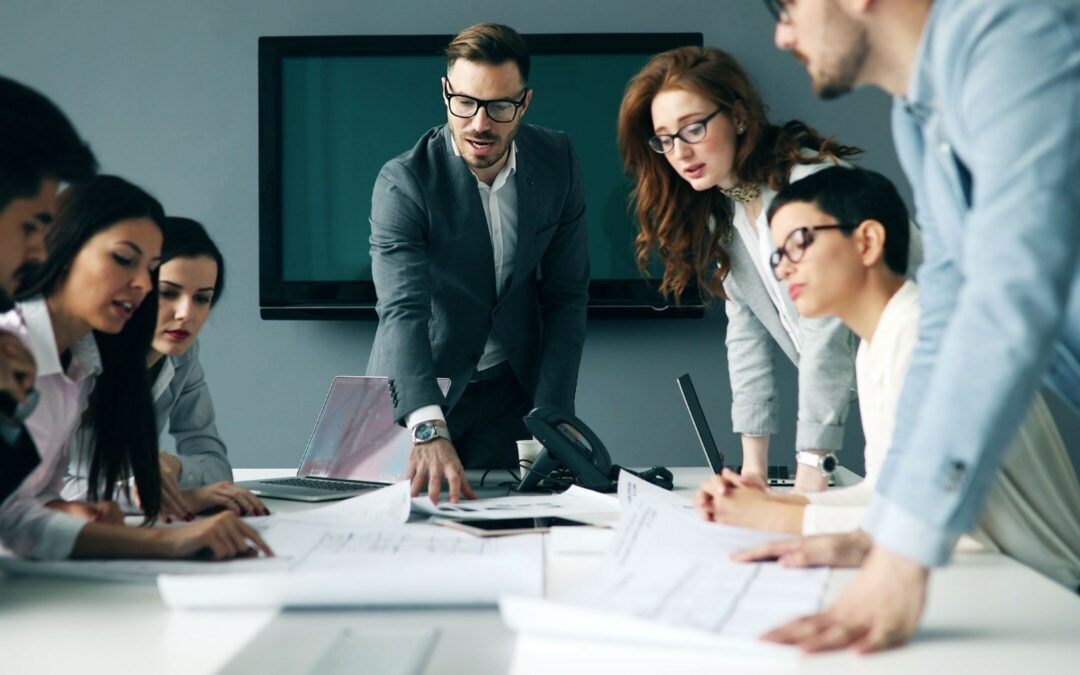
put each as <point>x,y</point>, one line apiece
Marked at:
<point>356,445</point>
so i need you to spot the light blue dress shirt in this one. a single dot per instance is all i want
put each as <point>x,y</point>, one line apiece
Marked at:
<point>989,137</point>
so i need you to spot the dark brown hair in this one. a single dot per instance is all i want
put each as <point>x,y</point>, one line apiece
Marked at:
<point>490,43</point>
<point>672,217</point>
<point>120,416</point>
<point>37,141</point>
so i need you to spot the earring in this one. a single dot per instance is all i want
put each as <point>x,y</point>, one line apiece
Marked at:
<point>741,128</point>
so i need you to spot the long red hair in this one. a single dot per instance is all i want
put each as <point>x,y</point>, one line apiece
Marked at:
<point>673,217</point>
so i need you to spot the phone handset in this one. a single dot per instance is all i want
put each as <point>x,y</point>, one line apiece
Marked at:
<point>567,442</point>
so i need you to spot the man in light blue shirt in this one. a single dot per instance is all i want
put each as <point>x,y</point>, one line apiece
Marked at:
<point>986,121</point>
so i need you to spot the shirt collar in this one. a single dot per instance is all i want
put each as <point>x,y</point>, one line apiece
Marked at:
<point>41,340</point>
<point>919,99</point>
<point>894,318</point>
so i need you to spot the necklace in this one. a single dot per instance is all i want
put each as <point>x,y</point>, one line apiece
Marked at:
<point>744,193</point>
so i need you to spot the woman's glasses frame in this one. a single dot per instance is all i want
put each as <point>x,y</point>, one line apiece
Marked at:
<point>689,133</point>
<point>800,239</point>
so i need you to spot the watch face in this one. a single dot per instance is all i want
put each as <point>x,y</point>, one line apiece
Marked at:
<point>828,463</point>
<point>425,431</point>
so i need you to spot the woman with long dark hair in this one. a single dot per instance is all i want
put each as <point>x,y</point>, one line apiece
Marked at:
<point>706,162</point>
<point>88,314</point>
<point>198,477</point>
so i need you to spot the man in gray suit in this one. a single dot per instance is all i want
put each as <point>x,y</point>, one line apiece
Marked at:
<point>480,262</point>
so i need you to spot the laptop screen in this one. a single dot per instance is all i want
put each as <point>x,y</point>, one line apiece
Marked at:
<point>356,437</point>
<point>701,425</point>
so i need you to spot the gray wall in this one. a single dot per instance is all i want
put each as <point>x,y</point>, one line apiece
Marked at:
<point>167,93</point>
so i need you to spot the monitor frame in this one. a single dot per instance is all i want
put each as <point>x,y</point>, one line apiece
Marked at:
<point>348,300</point>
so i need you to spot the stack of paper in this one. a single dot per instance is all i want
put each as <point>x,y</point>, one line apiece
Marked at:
<point>668,579</point>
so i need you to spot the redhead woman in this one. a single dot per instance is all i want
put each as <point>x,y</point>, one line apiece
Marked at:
<point>707,162</point>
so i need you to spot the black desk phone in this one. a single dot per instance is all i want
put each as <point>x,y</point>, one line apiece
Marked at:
<point>573,448</point>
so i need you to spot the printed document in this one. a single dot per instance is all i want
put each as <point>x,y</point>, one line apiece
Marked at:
<point>575,503</point>
<point>357,552</point>
<point>667,578</point>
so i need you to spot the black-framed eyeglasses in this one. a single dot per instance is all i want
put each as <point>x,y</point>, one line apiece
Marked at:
<point>779,9</point>
<point>798,240</point>
<point>691,133</point>
<point>499,110</point>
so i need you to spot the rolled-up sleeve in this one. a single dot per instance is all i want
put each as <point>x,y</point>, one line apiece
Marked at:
<point>826,383</point>
<point>755,406</point>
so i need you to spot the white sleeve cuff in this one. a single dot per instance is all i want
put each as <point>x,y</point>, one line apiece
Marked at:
<point>429,413</point>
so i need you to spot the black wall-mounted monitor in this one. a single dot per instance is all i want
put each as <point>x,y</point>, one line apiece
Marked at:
<point>333,110</point>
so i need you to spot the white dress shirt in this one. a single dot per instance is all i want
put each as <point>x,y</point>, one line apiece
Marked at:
<point>27,527</point>
<point>758,240</point>
<point>500,201</point>
<point>1033,510</point>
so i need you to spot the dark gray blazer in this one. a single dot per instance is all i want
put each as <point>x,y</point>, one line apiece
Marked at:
<point>434,272</point>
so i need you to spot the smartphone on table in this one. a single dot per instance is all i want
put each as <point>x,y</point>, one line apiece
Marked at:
<point>505,527</point>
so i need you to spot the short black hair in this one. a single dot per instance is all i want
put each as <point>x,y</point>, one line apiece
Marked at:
<point>37,141</point>
<point>852,195</point>
<point>187,238</point>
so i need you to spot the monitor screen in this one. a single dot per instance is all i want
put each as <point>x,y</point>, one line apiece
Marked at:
<point>335,109</point>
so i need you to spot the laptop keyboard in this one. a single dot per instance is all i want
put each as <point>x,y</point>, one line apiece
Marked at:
<point>323,484</point>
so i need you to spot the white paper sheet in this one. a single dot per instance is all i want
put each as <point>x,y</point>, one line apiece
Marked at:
<point>289,535</point>
<point>668,577</point>
<point>576,502</point>
<point>409,565</point>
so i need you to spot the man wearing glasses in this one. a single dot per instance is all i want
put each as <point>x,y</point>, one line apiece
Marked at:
<point>480,263</point>
<point>986,121</point>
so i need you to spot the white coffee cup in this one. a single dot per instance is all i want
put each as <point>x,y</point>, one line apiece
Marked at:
<point>528,450</point>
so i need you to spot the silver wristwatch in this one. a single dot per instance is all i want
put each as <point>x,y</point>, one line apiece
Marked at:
<point>425,432</point>
<point>826,463</point>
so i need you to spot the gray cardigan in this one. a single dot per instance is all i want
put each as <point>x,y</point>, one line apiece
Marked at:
<point>181,399</point>
<point>826,364</point>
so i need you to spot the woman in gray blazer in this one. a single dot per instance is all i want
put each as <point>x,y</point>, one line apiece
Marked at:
<point>694,135</point>
<point>198,477</point>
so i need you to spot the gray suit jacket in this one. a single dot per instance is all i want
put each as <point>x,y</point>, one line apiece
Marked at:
<point>434,272</point>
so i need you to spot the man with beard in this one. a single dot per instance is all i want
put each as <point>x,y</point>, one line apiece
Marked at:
<point>480,262</point>
<point>986,121</point>
<point>38,148</point>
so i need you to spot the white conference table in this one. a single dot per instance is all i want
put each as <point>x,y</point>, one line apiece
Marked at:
<point>986,614</point>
